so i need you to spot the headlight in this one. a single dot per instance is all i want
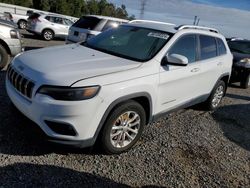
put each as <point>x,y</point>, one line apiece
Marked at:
<point>244,63</point>
<point>70,93</point>
<point>14,34</point>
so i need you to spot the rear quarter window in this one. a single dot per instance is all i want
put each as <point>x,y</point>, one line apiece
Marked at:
<point>221,47</point>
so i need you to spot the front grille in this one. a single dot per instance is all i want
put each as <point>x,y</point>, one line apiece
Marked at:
<point>22,84</point>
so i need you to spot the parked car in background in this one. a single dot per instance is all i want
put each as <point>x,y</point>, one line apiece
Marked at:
<point>114,84</point>
<point>10,42</point>
<point>92,25</point>
<point>49,25</point>
<point>20,20</point>
<point>240,49</point>
<point>6,16</point>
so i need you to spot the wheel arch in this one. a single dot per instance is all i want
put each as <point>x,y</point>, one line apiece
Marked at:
<point>225,77</point>
<point>47,28</point>
<point>143,98</point>
<point>5,45</point>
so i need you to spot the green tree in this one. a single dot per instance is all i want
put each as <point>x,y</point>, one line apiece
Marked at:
<point>75,8</point>
<point>45,5</point>
<point>93,6</point>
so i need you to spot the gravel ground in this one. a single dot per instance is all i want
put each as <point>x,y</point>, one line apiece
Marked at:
<point>188,148</point>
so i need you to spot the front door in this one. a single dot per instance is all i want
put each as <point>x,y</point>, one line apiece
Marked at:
<point>180,84</point>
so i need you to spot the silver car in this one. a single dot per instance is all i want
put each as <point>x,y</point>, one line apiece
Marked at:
<point>49,26</point>
<point>10,42</point>
<point>88,26</point>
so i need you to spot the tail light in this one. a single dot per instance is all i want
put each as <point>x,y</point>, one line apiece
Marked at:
<point>36,20</point>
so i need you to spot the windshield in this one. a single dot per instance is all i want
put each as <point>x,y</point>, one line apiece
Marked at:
<point>130,42</point>
<point>240,46</point>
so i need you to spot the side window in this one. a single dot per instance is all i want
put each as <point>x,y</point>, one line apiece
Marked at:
<point>221,47</point>
<point>56,20</point>
<point>185,46</point>
<point>110,24</point>
<point>208,47</point>
<point>67,22</point>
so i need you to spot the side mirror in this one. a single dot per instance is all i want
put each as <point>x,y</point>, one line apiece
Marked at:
<point>174,59</point>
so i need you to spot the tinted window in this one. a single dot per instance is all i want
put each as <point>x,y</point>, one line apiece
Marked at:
<point>221,47</point>
<point>208,47</point>
<point>240,46</point>
<point>87,22</point>
<point>185,46</point>
<point>130,42</point>
<point>55,19</point>
<point>110,24</point>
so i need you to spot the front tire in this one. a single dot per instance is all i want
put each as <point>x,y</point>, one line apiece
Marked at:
<point>48,34</point>
<point>123,128</point>
<point>216,96</point>
<point>4,57</point>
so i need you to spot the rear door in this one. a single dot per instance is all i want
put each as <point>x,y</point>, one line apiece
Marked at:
<point>58,25</point>
<point>211,64</point>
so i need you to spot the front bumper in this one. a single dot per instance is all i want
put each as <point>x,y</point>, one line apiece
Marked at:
<point>239,73</point>
<point>83,116</point>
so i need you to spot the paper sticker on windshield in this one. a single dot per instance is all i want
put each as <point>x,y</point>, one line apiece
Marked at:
<point>158,35</point>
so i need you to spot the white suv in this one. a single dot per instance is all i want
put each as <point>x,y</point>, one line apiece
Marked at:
<point>117,82</point>
<point>48,26</point>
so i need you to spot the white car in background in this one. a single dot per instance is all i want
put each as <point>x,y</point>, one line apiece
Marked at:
<point>49,25</point>
<point>10,42</point>
<point>88,26</point>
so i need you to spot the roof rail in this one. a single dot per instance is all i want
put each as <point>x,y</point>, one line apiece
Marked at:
<point>150,21</point>
<point>197,27</point>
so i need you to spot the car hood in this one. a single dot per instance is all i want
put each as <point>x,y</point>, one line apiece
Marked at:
<point>65,65</point>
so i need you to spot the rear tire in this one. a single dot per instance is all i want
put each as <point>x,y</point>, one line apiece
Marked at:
<point>213,101</point>
<point>48,34</point>
<point>123,128</point>
<point>4,57</point>
<point>22,24</point>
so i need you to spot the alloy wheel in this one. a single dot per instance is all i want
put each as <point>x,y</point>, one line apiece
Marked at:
<point>218,95</point>
<point>125,129</point>
<point>48,35</point>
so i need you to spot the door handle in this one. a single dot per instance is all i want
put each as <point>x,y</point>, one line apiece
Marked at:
<point>195,70</point>
<point>219,64</point>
